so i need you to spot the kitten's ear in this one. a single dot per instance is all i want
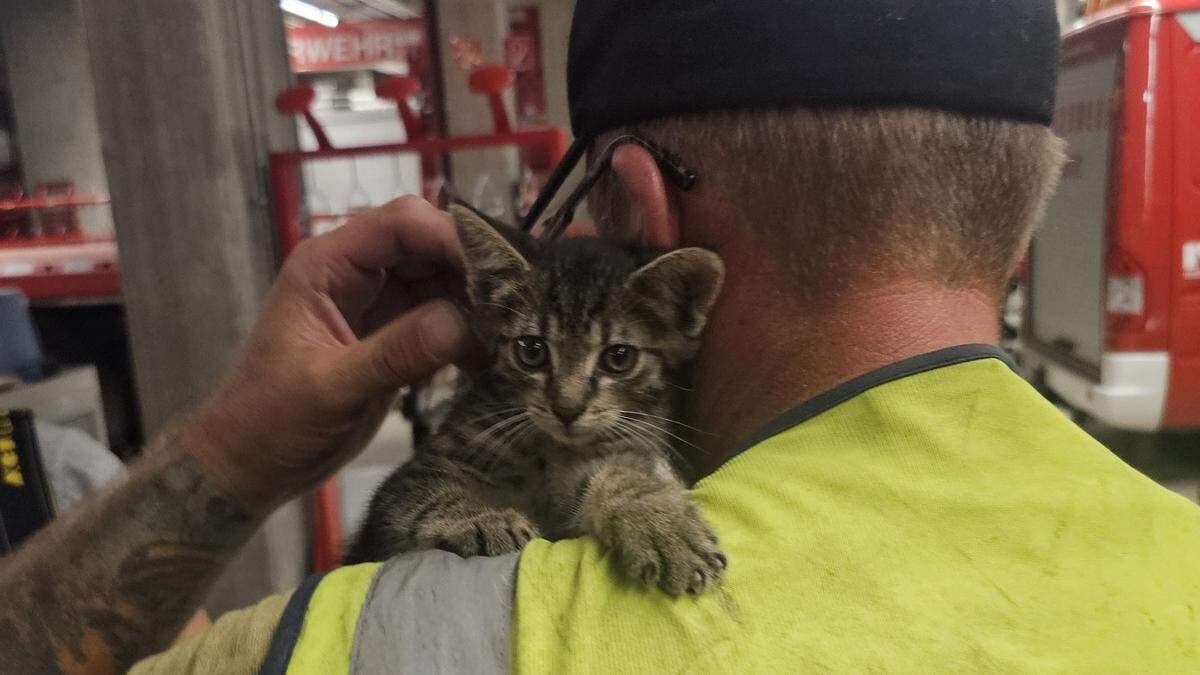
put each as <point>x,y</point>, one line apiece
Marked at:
<point>685,281</point>
<point>492,262</point>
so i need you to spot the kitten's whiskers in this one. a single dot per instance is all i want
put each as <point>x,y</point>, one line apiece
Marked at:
<point>666,419</point>
<point>649,440</point>
<point>501,411</point>
<point>655,440</point>
<point>506,440</point>
<point>648,426</point>
<point>480,439</point>
<point>499,306</point>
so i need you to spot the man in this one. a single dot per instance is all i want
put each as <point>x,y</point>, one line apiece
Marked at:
<point>891,496</point>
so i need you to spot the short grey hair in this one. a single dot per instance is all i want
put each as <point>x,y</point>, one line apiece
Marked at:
<point>922,193</point>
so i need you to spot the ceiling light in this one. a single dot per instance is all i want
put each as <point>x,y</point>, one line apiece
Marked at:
<point>311,12</point>
<point>392,7</point>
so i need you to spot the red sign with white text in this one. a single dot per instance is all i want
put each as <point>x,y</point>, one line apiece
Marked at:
<point>355,46</point>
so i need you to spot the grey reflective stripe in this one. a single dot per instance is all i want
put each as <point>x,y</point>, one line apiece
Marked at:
<point>434,612</point>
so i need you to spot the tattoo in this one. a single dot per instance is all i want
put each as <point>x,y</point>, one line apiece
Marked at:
<point>116,580</point>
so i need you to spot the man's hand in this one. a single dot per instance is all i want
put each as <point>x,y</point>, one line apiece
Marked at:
<point>355,315</point>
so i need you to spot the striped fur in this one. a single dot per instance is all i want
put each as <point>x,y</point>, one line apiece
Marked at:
<point>568,448</point>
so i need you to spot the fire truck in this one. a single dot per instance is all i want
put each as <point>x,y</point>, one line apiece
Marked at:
<point>1112,299</point>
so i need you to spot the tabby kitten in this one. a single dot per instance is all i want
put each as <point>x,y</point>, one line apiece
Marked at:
<point>565,433</point>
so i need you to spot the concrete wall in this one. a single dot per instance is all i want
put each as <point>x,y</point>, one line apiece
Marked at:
<point>53,99</point>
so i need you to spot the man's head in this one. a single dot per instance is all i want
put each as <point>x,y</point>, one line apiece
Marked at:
<point>828,197</point>
<point>836,140</point>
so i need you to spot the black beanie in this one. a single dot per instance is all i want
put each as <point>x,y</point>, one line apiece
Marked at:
<point>635,60</point>
<point>631,61</point>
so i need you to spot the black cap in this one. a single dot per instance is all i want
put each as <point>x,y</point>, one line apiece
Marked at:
<point>635,60</point>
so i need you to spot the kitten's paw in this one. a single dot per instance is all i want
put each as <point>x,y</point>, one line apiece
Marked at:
<point>672,549</point>
<point>490,533</point>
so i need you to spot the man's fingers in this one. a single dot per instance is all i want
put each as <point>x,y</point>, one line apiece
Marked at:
<point>400,295</point>
<point>407,229</point>
<point>409,349</point>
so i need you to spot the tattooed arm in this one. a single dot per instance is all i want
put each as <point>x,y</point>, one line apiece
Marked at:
<point>115,579</point>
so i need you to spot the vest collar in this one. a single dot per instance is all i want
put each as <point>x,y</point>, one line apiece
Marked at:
<point>832,398</point>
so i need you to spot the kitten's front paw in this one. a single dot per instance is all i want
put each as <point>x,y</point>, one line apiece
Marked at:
<point>490,533</point>
<point>671,548</point>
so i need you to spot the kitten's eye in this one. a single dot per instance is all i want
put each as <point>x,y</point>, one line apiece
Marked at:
<point>532,352</point>
<point>619,359</point>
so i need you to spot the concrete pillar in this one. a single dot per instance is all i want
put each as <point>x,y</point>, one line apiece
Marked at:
<point>53,99</point>
<point>183,99</point>
<point>183,94</point>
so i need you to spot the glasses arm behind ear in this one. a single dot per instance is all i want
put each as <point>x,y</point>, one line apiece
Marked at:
<point>681,176</point>
<point>557,178</point>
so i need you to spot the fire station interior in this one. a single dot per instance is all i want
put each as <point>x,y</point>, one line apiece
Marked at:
<point>148,197</point>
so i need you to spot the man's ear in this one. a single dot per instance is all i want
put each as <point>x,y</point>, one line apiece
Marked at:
<point>493,265</point>
<point>653,219</point>
<point>686,282</point>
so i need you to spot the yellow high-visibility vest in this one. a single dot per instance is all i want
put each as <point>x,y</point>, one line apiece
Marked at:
<point>935,516</point>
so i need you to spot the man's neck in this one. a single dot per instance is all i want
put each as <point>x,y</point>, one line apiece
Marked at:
<point>765,353</point>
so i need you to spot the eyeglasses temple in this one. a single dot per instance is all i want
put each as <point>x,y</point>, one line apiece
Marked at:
<point>683,177</point>
<point>555,224</point>
<point>554,183</point>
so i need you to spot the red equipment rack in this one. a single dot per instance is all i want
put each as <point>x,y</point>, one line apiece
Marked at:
<point>58,267</point>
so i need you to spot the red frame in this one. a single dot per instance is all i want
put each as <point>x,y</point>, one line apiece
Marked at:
<point>284,167</point>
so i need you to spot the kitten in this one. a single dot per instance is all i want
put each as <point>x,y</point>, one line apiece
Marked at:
<point>565,433</point>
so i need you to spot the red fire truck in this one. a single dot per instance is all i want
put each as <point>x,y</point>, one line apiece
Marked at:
<point>1112,303</point>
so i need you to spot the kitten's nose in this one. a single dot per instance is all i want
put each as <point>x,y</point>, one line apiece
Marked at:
<point>567,415</point>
